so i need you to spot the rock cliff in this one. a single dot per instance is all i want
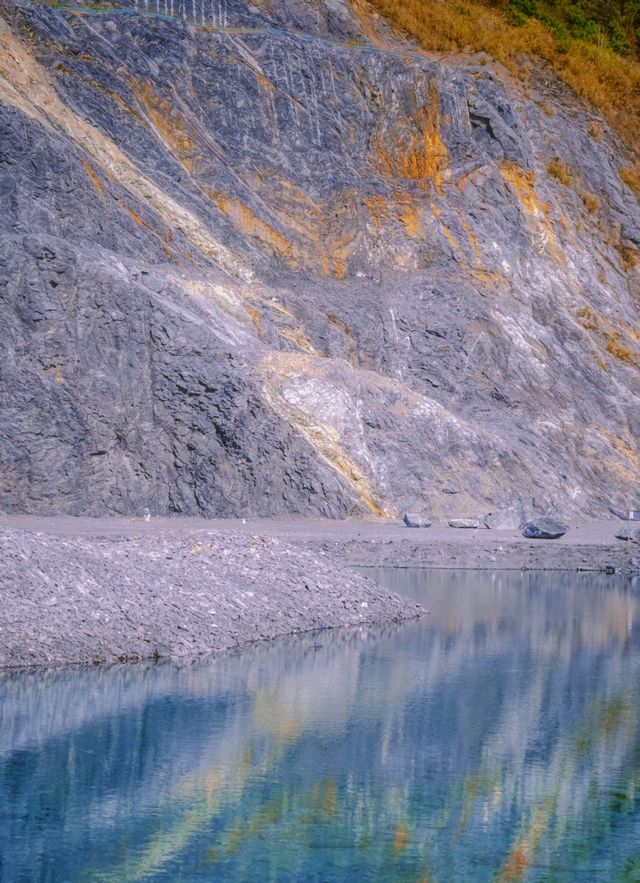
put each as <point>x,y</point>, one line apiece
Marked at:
<point>267,258</point>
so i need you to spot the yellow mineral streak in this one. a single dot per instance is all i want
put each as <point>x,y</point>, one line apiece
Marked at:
<point>451,239</point>
<point>626,465</point>
<point>489,278</point>
<point>256,317</point>
<point>618,338</point>
<point>407,211</point>
<point>26,85</point>
<point>303,233</point>
<point>470,234</point>
<point>300,339</point>
<point>413,149</point>
<point>522,183</point>
<point>169,123</point>
<point>325,439</point>
<point>263,82</point>
<point>95,180</point>
<point>230,299</point>
<point>251,225</point>
<point>250,306</point>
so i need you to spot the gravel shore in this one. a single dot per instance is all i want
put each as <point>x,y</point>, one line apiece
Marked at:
<point>591,545</point>
<point>103,599</point>
<point>83,590</point>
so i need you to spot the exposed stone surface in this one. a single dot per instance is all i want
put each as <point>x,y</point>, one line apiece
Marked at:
<point>623,516</point>
<point>544,529</point>
<point>464,523</point>
<point>628,533</point>
<point>261,272</point>
<point>505,519</point>
<point>85,600</point>
<point>416,520</point>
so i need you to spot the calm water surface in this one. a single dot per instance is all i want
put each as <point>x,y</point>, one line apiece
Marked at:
<point>497,739</point>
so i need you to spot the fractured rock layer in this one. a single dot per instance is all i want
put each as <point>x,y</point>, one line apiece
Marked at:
<point>257,261</point>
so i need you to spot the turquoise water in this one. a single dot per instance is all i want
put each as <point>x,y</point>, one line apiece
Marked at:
<point>495,740</point>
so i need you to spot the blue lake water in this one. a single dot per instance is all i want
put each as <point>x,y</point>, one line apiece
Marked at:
<point>497,739</point>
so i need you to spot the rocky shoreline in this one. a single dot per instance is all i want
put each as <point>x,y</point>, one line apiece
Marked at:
<point>82,590</point>
<point>89,600</point>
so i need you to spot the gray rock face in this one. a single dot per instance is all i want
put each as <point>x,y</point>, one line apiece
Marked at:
<point>273,271</point>
<point>416,520</point>
<point>464,523</point>
<point>544,529</point>
<point>623,516</point>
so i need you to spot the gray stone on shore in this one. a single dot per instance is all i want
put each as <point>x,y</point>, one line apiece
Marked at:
<point>505,519</point>
<point>464,523</point>
<point>544,529</point>
<point>89,600</point>
<point>629,534</point>
<point>411,520</point>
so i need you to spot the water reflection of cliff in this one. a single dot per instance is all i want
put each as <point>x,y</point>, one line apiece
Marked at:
<point>495,740</point>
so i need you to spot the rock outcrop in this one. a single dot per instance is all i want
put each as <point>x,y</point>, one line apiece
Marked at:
<point>266,258</point>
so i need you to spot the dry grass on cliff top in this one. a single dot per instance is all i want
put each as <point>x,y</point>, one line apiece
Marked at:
<point>608,81</point>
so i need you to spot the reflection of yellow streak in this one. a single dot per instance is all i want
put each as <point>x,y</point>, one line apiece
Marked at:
<point>400,838</point>
<point>612,717</point>
<point>265,816</point>
<point>599,725</point>
<point>322,800</point>
<point>276,719</point>
<point>608,722</point>
<point>475,783</point>
<point>164,846</point>
<point>523,852</point>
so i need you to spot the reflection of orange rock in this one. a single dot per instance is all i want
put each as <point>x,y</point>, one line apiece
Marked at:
<point>524,852</point>
<point>319,695</point>
<point>400,838</point>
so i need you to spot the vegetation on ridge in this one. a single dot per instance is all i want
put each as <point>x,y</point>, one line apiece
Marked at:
<point>612,23</point>
<point>591,45</point>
